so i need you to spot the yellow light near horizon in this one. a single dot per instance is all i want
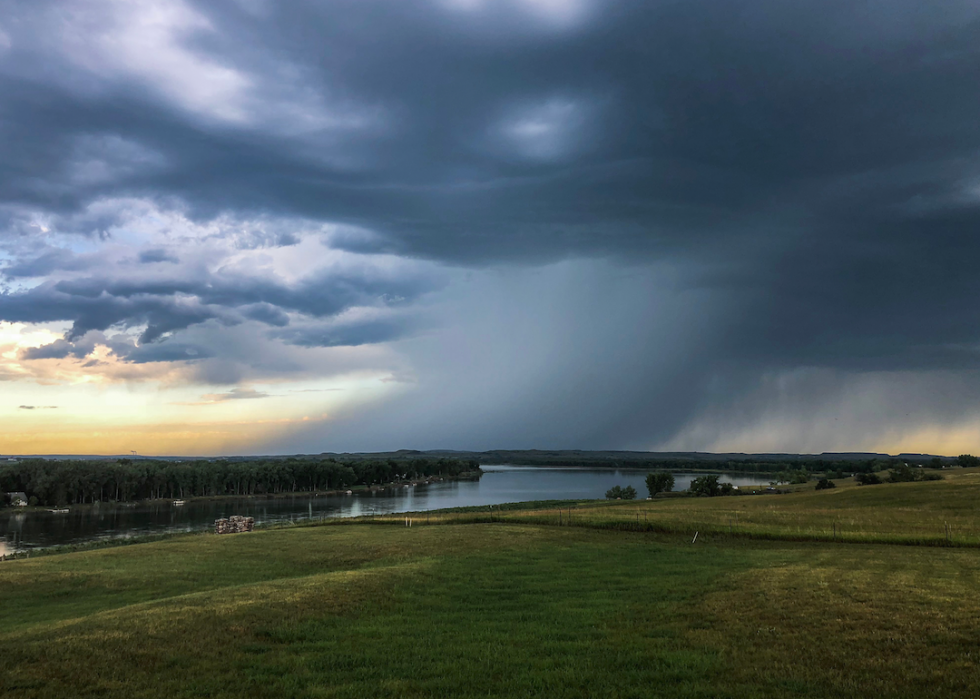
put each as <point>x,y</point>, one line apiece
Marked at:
<point>188,438</point>
<point>934,439</point>
<point>63,408</point>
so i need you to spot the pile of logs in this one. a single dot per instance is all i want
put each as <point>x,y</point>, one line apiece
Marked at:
<point>235,524</point>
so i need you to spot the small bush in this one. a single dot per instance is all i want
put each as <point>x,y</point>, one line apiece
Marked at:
<point>867,479</point>
<point>907,474</point>
<point>619,493</point>
<point>902,474</point>
<point>825,483</point>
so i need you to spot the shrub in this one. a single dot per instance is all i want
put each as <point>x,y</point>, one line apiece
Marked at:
<point>902,474</point>
<point>619,493</point>
<point>660,483</point>
<point>867,479</point>
<point>825,483</point>
<point>907,474</point>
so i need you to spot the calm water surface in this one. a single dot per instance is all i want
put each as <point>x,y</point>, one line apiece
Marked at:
<point>499,484</point>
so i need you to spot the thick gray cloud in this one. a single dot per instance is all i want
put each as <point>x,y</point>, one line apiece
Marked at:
<point>810,169</point>
<point>349,334</point>
<point>151,256</point>
<point>179,298</point>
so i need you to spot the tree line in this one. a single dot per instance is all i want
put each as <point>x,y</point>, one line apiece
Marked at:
<point>747,466</point>
<point>62,482</point>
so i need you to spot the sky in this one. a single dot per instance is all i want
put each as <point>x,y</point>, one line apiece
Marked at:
<point>246,226</point>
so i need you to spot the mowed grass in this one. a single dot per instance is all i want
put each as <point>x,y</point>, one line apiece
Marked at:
<point>945,512</point>
<point>504,610</point>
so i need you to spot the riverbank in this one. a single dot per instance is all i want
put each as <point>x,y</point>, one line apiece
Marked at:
<point>551,489</point>
<point>467,475</point>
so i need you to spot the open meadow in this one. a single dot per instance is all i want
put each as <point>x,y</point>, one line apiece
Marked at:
<point>940,512</point>
<point>620,604</point>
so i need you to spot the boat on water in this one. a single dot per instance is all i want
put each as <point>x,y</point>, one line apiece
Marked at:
<point>178,503</point>
<point>59,510</point>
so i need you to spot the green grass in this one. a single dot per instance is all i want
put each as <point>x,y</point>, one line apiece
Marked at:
<point>509,609</point>
<point>897,513</point>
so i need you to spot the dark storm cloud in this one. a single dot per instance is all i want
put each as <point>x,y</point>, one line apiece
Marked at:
<point>171,304</point>
<point>815,164</point>
<point>97,311</point>
<point>151,256</point>
<point>266,313</point>
<point>166,352</point>
<point>55,260</point>
<point>122,347</point>
<point>59,349</point>
<point>348,334</point>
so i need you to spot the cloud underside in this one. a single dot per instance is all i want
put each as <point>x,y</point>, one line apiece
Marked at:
<point>805,175</point>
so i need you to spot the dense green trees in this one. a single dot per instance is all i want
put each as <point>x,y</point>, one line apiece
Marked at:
<point>710,487</point>
<point>661,482</point>
<point>868,479</point>
<point>904,473</point>
<point>57,482</point>
<point>705,485</point>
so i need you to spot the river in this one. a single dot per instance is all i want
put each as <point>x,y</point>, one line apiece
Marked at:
<point>500,484</point>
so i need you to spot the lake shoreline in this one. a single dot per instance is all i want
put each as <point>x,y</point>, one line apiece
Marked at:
<point>37,528</point>
<point>353,490</point>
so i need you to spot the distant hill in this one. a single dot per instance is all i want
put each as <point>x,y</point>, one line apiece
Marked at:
<point>548,457</point>
<point>625,458</point>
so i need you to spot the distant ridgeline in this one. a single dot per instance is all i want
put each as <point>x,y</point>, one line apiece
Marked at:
<point>852,462</point>
<point>64,481</point>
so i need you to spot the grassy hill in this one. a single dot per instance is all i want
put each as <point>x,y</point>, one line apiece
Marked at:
<point>620,604</point>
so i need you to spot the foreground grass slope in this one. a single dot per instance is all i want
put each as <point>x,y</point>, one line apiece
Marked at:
<point>621,604</point>
<point>502,609</point>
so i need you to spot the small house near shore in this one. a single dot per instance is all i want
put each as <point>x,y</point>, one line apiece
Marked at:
<point>17,499</point>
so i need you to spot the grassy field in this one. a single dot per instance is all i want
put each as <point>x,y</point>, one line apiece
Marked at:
<point>516,608</point>
<point>945,512</point>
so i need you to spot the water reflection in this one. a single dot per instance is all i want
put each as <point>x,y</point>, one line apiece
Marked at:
<point>500,484</point>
